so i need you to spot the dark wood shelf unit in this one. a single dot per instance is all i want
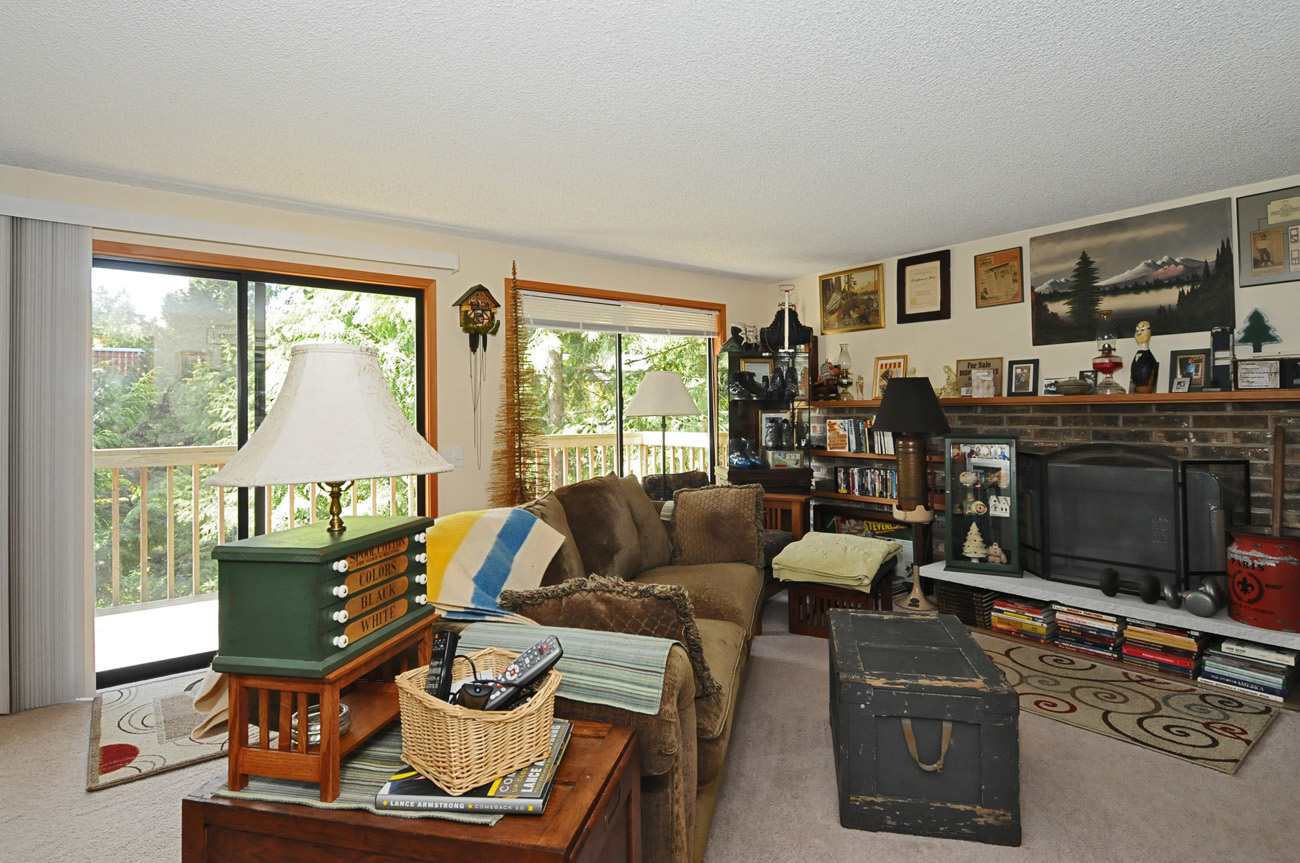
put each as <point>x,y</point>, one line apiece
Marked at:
<point>1129,399</point>
<point>936,500</point>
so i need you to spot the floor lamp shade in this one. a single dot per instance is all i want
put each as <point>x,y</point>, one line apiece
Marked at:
<point>335,420</point>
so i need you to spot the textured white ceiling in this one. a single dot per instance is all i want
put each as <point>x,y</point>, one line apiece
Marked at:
<point>759,139</point>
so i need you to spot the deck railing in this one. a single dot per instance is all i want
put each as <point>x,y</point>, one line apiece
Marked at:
<point>156,523</point>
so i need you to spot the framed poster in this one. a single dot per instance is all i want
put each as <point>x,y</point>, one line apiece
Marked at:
<point>965,367</point>
<point>853,299</point>
<point>924,287</point>
<point>887,368</point>
<point>999,279</point>
<point>1022,378</point>
<point>1268,237</point>
<point>1195,365</point>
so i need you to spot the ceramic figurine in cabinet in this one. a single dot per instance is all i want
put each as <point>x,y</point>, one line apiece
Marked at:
<point>974,545</point>
<point>997,555</point>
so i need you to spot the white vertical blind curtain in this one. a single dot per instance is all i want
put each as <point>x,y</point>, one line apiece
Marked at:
<point>590,314</point>
<point>47,500</point>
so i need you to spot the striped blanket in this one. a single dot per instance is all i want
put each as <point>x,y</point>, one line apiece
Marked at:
<point>611,668</point>
<point>476,554</point>
<point>361,774</point>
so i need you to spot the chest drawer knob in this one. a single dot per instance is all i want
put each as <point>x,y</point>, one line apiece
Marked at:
<point>419,537</point>
<point>340,616</point>
<point>340,591</point>
<point>339,641</point>
<point>421,558</point>
<point>421,579</point>
<point>421,599</point>
<point>339,566</point>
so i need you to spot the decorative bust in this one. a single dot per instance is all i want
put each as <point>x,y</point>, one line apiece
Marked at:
<point>1146,368</point>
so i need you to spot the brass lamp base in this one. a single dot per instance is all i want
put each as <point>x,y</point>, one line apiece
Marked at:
<point>336,490</point>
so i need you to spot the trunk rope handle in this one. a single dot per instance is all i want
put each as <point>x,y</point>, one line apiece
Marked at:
<point>943,747</point>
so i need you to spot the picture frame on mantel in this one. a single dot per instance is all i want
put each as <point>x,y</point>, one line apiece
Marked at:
<point>925,287</point>
<point>853,300</point>
<point>1022,378</point>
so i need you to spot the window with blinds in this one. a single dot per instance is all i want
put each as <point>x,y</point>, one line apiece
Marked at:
<point>598,315</point>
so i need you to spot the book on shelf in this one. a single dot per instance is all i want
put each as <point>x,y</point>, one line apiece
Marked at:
<point>837,435</point>
<point>1255,650</point>
<point>1163,657</point>
<point>1276,693</point>
<point>520,792</point>
<point>1087,649</point>
<point>1244,663</point>
<point>1088,613</point>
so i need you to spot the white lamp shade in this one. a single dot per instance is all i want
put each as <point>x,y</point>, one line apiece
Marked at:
<point>335,420</point>
<point>662,394</point>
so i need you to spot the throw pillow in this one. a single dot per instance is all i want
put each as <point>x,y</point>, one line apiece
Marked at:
<point>614,605</point>
<point>567,563</point>
<point>606,536</point>
<point>656,548</point>
<point>718,524</point>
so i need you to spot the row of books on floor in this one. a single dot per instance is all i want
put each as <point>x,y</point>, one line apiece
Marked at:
<point>1244,666</point>
<point>520,792</point>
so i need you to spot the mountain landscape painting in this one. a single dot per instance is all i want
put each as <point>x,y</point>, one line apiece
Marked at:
<point>1173,268</point>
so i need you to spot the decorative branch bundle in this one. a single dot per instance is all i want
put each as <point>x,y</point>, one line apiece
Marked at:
<point>517,473</point>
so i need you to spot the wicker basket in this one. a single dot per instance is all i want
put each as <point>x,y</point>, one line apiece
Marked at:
<point>461,749</point>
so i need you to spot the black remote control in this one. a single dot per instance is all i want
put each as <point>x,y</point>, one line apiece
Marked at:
<point>438,681</point>
<point>527,668</point>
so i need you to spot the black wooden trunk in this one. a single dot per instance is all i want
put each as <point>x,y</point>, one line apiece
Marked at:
<point>892,672</point>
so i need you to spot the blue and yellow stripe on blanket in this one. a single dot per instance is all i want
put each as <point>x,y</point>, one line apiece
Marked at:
<point>474,555</point>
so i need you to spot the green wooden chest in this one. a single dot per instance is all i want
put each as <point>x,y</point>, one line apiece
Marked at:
<point>925,727</point>
<point>303,602</point>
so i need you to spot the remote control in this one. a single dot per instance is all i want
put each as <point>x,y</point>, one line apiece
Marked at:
<point>438,681</point>
<point>527,667</point>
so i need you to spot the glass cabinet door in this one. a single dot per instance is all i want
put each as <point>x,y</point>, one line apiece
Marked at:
<point>980,496</point>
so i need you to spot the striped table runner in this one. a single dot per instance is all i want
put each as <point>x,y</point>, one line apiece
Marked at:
<point>611,668</point>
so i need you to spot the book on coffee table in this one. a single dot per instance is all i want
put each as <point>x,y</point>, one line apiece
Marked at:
<point>523,791</point>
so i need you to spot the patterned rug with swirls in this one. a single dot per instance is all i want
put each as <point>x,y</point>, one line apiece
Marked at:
<point>1211,728</point>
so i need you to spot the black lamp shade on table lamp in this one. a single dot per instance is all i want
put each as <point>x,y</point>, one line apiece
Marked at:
<point>910,409</point>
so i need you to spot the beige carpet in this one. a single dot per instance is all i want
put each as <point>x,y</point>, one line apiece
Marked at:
<point>144,729</point>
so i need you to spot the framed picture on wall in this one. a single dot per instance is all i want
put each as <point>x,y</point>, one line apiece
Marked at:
<point>1268,238</point>
<point>999,278</point>
<point>1022,378</point>
<point>853,299</point>
<point>1195,365</point>
<point>924,288</point>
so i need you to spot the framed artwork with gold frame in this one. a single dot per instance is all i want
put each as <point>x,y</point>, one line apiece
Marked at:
<point>853,300</point>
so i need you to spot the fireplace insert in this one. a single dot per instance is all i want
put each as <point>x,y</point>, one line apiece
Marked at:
<point>1089,508</point>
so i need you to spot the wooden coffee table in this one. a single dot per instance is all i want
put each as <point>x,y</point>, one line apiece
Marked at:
<point>594,814</point>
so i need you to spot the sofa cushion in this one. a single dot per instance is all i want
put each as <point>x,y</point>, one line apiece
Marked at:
<point>602,526</point>
<point>718,591</point>
<point>613,605</point>
<point>567,563</point>
<point>724,645</point>
<point>656,548</point>
<point>718,524</point>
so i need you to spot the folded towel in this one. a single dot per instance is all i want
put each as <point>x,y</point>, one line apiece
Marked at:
<point>840,559</point>
<point>474,555</point>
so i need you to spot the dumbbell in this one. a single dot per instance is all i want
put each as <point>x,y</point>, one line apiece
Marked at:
<point>1204,601</point>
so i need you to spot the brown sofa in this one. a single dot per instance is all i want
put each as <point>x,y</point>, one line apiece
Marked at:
<point>650,585</point>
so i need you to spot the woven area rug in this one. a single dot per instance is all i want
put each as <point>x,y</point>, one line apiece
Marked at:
<point>1210,728</point>
<point>143,729</point>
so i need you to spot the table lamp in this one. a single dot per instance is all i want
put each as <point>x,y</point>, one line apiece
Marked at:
<point>663,395</point>
<point>334,422</point>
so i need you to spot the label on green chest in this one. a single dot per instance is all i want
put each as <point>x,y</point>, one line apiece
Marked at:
<point>370,600</point>
<point>367,556</point>
<point>364,579</point>
<point>362,627</point>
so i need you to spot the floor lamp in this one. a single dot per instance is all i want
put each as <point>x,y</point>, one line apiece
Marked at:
<point>663,395</point>
<point>911,410</point>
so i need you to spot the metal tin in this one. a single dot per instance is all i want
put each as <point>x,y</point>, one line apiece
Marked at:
<point>1264,581</point>
<point>313,724</point>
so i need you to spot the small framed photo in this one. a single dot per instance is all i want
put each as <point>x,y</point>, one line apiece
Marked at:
<point>1022,378</point>
<point>965,367</point>
<point>1195,365</point>
<point>766,421</point>
<point>760,367</point>
<point>887,368</point>
<point>999,279</point>
<point>1049,386</point>
<point>853,300</point>
<point>1180,385</point>
<point>1088,376</point>
<point>925,287</point>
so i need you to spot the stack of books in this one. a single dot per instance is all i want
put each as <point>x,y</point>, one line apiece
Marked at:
<point>520,792</point>
<point>1024,618</point>
<point>970,605</point>
<point>1168,649</point>
<point>1091,633</point>
<point>1250,668</point>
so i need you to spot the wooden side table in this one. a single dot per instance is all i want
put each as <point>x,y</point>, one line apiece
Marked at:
<point>593,816</point>
<point>786,512</point>
<point>372,703</point>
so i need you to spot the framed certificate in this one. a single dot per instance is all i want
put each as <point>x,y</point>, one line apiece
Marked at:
<point>924,287</point>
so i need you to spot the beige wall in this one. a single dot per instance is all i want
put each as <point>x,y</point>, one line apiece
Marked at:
<point>1004,331</point>
<point>136,214</point>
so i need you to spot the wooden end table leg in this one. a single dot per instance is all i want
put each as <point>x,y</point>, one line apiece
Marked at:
<point>238,732</point>
<point>329,744</point>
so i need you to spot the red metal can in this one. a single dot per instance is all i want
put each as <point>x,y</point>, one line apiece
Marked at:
<point>1264,581</point>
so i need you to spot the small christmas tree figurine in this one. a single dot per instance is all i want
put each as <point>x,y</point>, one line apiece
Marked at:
<point>974,547</point>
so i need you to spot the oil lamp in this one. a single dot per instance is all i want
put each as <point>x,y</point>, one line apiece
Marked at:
<point>1107,362</point>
